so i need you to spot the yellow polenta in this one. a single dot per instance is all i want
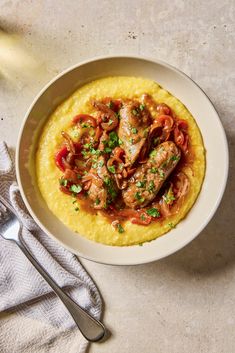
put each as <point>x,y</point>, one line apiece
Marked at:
<point>97,227</point>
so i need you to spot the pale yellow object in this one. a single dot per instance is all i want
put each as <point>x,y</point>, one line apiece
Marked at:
<point>96,227</point>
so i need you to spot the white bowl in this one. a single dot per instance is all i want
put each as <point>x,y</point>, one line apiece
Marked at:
<point>198,104</point>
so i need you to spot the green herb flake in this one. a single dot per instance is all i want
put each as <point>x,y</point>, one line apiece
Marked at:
<point>175,158</point>
<point>168,198</point>
<point>156,141</point>
<point>76,209</point>
<point>84,153</point>
<point>139,197</point>
<point>153,212</point>
<point>151,187</point>
<point>110,122</point>
<point>134,112</point>
<point>113,140</point>
<point>97,201</point>
<point>110,105</point>
<point>140,184</point>
<point>132,141</point>
<point>74,201</point>
<point>153,154</point>
<point>84,125</point>
<point>108,150</point>
<point>112,169</point>
<point>171,225</point>
<point>100,164</point>
<point>63,182</point>
<point>120,142</point>
<point>134,130</point>
<point>161,173</point>
<point>76,188</point>
<point>142,106</point>
<point>120,228</point>
<point>95,152</point>
<point>142,217</point>
<point>153,170</point>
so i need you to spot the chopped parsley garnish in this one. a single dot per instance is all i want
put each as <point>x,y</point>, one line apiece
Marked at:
<point>153,170</point>
<point>168,198</point>
<point>110,105</point>
<point>153,154</point>
<point>161,173</point>
<point>95,152</point>
<point>74,201</point>
<point>142,106</point>
<point>95,165</point>
<point>63,182</point>
<point>76,188</point>
<point>84,153</point>
<point>151,187</point>
<point>146,132</point>
<point>175,158</point>
<point>76,209</point>
<point>134,112</point>
<point>100,164</point>
<point>120,142</point>
<point>142,217</point>
<point>112,169</point>
<point>110,187</point>
<point>84,125</point>
<point>110,122</point>
<point>156,140</point>
<point>108,150</point>
<point>171,225</point>
<point>79,176</point>
<point>153,212</point>
<point>120,228</point>
<point>97,201</point>
<point>139,197</point>
<point>134,130</point>
<point>140,184</point>
<point>132,141</point>
<point>113,140</point>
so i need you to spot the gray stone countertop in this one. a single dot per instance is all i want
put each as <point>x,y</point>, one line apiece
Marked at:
<point>186,302</point>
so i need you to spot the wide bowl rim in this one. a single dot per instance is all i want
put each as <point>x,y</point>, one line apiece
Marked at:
<point>188,239</point>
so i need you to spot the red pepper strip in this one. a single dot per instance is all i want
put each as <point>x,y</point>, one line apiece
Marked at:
<point>107,114</point>
<point>115,104</point>
<point>117,163</point>
<point>118,152</point>
<point>166,121</point>
<point>60,155</point>
<point>164,109</point>
<point>98,133</point>
<point>71,176</point>
<point>182,125</point>
<point>144,221</point>
<point>65,190</point>
<point>185,144</point>
<point>85,118</point>
<point>178,136</point>
<point>136,217</point>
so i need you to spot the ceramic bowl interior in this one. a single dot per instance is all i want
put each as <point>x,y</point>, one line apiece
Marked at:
<point>179,85</point>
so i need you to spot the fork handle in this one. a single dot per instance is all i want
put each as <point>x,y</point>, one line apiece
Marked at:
<point>92,329</point>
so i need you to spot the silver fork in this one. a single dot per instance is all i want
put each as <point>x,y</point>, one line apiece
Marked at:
<point>92,329</point>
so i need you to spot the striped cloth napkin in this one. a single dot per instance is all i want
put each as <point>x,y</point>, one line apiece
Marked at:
<point>32,318</point>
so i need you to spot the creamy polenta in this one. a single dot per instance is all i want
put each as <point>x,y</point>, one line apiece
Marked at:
<point>96,225</point>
